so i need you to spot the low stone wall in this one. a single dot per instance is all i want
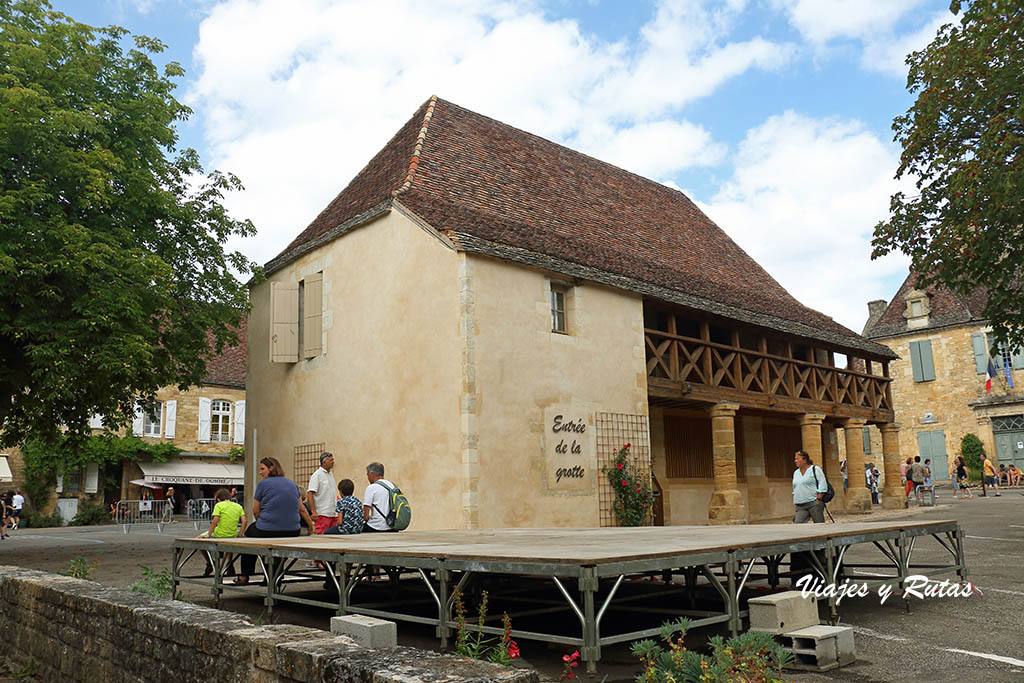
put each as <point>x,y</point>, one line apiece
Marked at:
<point>74,630</point>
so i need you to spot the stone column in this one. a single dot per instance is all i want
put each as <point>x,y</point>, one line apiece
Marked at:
<point>858,498</point>
<point>726,502</point>
<point>810,436</point>
<point>894,494</point>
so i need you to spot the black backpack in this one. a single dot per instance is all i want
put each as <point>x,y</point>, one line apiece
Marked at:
<point>828,495</point>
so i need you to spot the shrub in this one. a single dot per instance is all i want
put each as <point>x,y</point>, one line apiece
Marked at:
<point>748,657</point>
<point>972,450</point>
<point>155,583</point>
<point>35,520</point>
<point>79,569</point>
<point>634,499</point>
<point>89,514</point>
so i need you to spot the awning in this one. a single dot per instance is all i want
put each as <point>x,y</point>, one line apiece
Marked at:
<point>186,472</point>
<point>5,471</point>
<point>146,484</point>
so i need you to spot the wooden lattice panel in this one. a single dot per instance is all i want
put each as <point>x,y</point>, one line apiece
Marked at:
<point>615,430</point>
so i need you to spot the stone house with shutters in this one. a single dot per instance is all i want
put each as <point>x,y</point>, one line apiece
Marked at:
<point>492,315</point>
<point>944,345</point>
<point>206,422</point>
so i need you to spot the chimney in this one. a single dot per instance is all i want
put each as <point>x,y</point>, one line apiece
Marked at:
<point>875,310</point>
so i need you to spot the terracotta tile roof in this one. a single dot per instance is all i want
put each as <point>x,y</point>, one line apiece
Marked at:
<point>228,367</point>
<point>495,189</point>
<point>947,308</point>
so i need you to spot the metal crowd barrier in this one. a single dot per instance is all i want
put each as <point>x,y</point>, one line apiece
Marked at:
<point>129,513</point>
<point>200,512</point>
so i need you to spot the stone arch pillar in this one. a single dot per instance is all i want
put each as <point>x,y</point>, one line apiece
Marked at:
<point>894,494</point>
<point>726,502</point>
<point>858,498</point>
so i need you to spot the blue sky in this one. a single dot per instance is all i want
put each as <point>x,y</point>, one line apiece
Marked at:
<point>773,115</point>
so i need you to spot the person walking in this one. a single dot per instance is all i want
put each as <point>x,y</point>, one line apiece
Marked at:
<point>962,479</point>
<point>809,486</point>
<point>276,509</point>
<point>988,476</point>
<point>17,502</point>
<point>321,496</point>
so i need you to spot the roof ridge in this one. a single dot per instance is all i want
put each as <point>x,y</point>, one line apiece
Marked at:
<point>420,137</point>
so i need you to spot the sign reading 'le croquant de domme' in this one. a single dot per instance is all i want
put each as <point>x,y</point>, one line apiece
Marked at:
<point>567,442</point>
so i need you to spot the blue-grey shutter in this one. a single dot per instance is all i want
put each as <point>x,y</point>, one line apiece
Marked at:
<point>867,440</point>
<point>980,354</point>
<point>915,361</point>
<point>927,366</point>
<point>924,445</point>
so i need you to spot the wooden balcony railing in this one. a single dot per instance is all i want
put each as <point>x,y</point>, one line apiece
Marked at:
<point>698,362</point>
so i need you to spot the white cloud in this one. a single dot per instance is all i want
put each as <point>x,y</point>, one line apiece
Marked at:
<point>803,201</point>
<point>879,26</point>
<point>297,97</point>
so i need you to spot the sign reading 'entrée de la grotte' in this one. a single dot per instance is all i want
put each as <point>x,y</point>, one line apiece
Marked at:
<point>568,450</point>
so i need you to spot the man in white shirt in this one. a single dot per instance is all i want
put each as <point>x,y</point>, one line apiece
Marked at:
<point>17,502</point>
<point>376,500</point>
<point>321,495</point>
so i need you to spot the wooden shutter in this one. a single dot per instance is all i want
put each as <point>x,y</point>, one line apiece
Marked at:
<point>688,451</point>
<point>205,412</point>
<point>239,422</point>
<point>1018,359</point>
<point>313,308</point>
<point>921,361</point>
<point>92,477</point>
<point>137,420</point>
<point>170,419</point>
<point>284,322</point>
<point>96,421</point>
<point>780,443</point>
<point>980,353</point>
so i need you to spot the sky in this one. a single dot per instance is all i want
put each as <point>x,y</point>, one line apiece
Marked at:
<point>774,116</point>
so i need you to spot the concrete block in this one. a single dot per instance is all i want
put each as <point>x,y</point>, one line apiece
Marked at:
<point>820,648</point>
<point>367,631</point>
<point>783,612</point>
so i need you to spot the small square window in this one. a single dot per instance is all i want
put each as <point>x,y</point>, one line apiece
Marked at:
<point>916,308</point>
<point>558,309</point>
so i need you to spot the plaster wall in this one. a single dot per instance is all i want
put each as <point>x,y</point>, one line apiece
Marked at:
<point>386,386</point>
<point>521,371</point>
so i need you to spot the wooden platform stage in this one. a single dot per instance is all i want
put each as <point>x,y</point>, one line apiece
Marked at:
<point>548,576</point>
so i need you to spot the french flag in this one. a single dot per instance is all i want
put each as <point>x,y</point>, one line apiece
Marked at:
<point>991,375</point>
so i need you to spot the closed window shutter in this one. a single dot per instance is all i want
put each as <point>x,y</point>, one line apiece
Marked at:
<point>924,445</point>
<point>137,421</point>
<point>170,419</point>
<point>915,361</point>
<point>867,440</point>
<point>239,422</point>
<point>92,478</point>
<point>980,354</point>
<point>60,482</point>
<point>96,421</point>
<point>927,365</point>
<point>1018,359</point>
<point>205,410</point>
<point>313,307</point>
<point>284,322</point>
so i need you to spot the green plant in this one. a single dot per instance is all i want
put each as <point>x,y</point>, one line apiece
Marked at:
<point>569,664</point>
<point>474,644</point>
<point>236,454</point>
<point>79,569</point>
<point>89,514</point>
<point>28,671</point>
<point>634,499</point>
<point>972,449</point>
<point>155,583</point>
<point>35,520</point>
<point>748,657</point>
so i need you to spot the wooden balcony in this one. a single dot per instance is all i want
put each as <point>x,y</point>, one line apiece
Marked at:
<point>689,369</point>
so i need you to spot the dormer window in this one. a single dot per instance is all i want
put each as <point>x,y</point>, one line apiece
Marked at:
<point>918,308</point>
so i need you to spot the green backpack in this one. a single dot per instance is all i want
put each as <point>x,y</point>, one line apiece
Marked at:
<point>399,512</point>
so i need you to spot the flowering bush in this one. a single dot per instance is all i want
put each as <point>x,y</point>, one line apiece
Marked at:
<point>569,662</point>
<point>634,498</point>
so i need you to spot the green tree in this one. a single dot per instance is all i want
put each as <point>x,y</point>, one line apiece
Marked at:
<point>114,277</point>
<point>963,145</point>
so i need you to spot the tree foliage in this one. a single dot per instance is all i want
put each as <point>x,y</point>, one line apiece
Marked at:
<point>114,276</point>
<point>963,145</point>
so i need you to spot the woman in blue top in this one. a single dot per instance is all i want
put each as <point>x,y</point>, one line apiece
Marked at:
<point>277,508</point>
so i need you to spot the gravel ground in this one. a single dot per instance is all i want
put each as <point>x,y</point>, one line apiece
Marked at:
<point>947,639</point>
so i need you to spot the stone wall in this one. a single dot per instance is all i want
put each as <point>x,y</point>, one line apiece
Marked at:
<point>74,630</point>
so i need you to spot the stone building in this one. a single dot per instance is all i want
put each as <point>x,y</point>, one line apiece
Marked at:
<point>206,422</point>
<point>492,315</point>
<point>944,346</point>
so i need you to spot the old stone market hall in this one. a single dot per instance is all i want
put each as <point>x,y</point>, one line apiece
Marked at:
<point>492,315</point>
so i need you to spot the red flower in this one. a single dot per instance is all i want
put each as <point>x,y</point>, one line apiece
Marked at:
<point>619,465</point>
<point>627,445</point>
<point>623,482</point>
<point>573,663</point>
<point>645,506</point>
<point>571,675</point>
<point>513,649</point>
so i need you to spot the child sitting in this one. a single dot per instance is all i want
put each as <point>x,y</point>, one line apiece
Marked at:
<point>350,510</point>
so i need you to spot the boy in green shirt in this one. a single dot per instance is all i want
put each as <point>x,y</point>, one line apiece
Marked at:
<point>227,521</point>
